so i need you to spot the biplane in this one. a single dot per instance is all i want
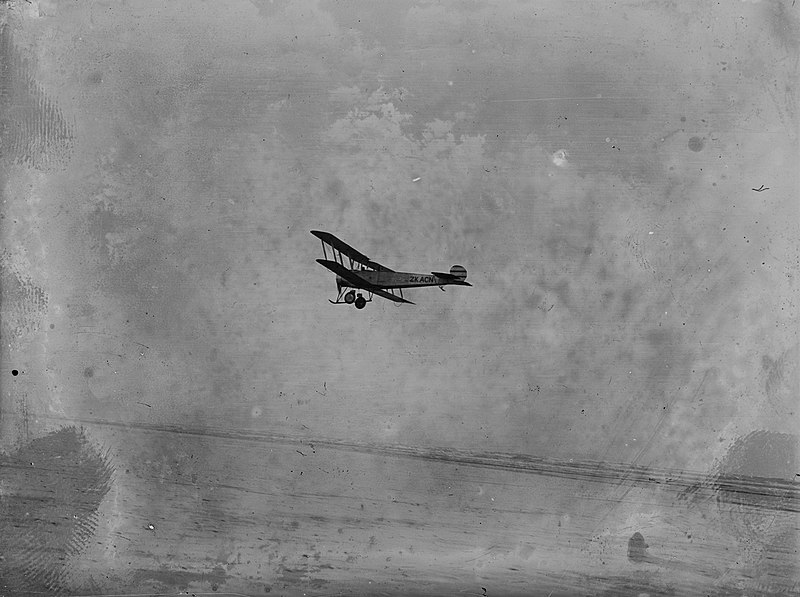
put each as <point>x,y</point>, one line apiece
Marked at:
<point>355,271</point>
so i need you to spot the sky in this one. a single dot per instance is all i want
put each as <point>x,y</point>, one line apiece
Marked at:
<point>591,168</point>
<point>595,168</point>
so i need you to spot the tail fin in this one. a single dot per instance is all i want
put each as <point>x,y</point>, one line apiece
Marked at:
<point>459,271</point>
<point>458,274</point>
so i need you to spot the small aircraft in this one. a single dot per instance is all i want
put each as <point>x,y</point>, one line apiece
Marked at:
<point>361,273</point>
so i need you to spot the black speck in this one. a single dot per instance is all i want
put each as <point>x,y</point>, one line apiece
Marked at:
<point>14,372</point>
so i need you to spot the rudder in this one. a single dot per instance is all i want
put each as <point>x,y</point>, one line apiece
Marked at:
<point>459,271</point>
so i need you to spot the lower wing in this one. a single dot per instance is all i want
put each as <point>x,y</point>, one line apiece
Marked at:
<point>359,282</point>
<point>388,295</point>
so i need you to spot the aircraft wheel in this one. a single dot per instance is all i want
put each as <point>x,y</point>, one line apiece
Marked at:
<point>361,302</point>
<point>350,297</point>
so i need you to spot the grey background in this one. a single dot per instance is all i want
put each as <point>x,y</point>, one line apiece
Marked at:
<point>190,413</point>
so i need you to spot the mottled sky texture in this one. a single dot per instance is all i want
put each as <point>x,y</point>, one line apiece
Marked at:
<point>592,165</point>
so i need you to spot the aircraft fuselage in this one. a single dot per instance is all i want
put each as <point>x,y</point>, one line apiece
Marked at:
<point>384,279</point>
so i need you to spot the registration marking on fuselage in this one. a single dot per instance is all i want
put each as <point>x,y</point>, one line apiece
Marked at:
<point>422,279</point>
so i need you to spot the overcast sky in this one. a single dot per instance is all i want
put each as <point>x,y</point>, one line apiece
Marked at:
<point>590,167</point>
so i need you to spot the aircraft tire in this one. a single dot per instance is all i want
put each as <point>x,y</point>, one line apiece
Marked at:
<point>361,302</point>
<point>350,297</point>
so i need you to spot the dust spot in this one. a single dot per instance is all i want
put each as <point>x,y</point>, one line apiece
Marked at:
<point>23,303</point>
<point>755,485</point>
<point>637,548</point>
<point>52,489</point>
<point>780,375</point>
<point>88,372</point>
<point>35,132</point>
<point>335,190</point>
<point>627,302</point>
<point>95,78</point>
<point>757,493</point>
<point>696,144</point>
<point>180,579</point>
<point>777,562</point>
<point>764,454</point>
<point>784,25</point>
<point>560,158</point>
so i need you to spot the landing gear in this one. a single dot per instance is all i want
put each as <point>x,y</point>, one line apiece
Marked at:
<point>351,297</point>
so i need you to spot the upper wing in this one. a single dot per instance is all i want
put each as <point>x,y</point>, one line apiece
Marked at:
<point>378,267</point>
<point>348,251</point>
